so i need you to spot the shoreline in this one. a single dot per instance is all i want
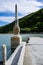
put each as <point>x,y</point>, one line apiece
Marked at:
<point>26,33</point>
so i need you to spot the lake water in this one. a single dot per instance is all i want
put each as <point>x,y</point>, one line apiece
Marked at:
<point>6,39</point>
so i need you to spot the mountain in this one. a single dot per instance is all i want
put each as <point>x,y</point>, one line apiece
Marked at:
<point>28,24</point>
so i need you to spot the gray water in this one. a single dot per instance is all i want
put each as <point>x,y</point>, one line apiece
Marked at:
<point>6,39</point>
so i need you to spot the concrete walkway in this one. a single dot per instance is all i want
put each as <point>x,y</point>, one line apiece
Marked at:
<point>27,56</point>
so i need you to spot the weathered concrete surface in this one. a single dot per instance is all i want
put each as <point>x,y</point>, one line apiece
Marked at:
<point>27,56</point>
<point>17,56</point>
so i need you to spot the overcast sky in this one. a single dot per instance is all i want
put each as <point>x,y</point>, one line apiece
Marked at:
<point>7,9</point>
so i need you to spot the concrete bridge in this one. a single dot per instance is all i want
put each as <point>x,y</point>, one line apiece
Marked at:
<point>23,53</point>
<point>21,56</point>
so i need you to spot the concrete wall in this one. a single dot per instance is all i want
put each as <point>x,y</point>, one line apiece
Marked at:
<point>21,58</point>
<point>17,56</point>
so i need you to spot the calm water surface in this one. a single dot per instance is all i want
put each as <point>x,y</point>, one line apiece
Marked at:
<point>6,39</point>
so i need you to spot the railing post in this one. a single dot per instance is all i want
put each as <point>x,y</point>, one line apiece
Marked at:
<point>4,54</point>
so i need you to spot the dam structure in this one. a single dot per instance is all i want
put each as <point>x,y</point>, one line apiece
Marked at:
<point>21,51</point>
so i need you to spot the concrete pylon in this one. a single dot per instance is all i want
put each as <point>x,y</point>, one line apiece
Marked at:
<point>4,54</point>
<point>16,39</point>
<point>16,20</point>
<point>16,29</point>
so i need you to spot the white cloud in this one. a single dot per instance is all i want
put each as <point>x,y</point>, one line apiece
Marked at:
<point>7,19</point>
<point>24,6</point>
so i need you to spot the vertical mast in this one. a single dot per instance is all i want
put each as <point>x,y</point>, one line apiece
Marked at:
<point>16,20</point>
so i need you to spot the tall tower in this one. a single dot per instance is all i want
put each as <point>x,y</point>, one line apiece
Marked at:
<point>16,39</point>
<point>16,29</point>
<point>16,20</point>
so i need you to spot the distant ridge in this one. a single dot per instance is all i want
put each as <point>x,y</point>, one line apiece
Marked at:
<point>28,24</point>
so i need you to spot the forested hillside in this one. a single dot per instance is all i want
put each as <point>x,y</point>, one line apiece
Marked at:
<point>28,24</point>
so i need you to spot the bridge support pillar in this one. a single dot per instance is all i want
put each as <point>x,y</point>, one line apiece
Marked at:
<point>4,54</point>
<point>15,41</point>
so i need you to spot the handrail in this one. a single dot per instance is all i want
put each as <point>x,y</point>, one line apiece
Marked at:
<point>15,53</point>
<point>20,62</point>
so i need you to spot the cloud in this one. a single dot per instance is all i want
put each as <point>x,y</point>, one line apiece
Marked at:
<point>40,6</point>
<point>7,19</point>
<point>7,7</point>
<point>23,6</point>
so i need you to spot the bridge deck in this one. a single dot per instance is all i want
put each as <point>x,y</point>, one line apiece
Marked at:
<point>28,56</point>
